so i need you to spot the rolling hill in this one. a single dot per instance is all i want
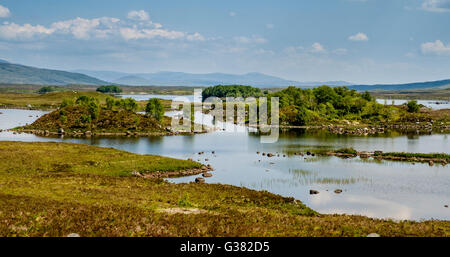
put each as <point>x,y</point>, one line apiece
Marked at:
<point>438,84</point>
<point>20,74</point>
<point>209,79</point>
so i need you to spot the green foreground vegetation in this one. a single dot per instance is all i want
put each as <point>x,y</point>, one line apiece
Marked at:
<point>86,113</point>
<point>54,189</point>
<point>324,104</point>
<point>339,105</point>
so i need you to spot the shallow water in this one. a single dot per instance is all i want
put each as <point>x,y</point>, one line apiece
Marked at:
<point>383,189</point>
<point>433,104</point>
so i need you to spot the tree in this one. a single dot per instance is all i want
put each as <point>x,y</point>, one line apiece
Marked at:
<point>325,94</point>
<point>110,89</point>
<point>413,106</point>
<point>45,90</point>
<point>155,109</point>
<point>91,103</point>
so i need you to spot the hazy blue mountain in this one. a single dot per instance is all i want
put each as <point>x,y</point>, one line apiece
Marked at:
<point>188,79</point>
<point>407,86</point>
<point>3,61</point>
<point>103,75</point>
<point>20,74</point>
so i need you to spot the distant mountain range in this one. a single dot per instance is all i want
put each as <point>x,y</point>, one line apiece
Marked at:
<point>20,74</point>
<point>188,79</point>
<point>439,84</point>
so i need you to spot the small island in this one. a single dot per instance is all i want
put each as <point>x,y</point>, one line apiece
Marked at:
<point>116,117</point>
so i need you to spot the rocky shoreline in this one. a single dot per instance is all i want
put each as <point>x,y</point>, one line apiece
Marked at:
<point>205,170</point>
<point>370,129</point>
<point>61,132</point>
<point>377,155</point>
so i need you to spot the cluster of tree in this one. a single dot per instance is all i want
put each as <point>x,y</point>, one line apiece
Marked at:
<point>110,89</point>
<point>412,106</point>
<point>155,109</point>
<point>47,89</point>
<point>231,91</point>
<point>305,106</point>
<point>126,104</point>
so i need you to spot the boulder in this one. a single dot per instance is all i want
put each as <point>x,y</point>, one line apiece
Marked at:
<point>338,191</point>
<point>269,155</point>
<point>73,235</point>
<point>199,180</point>
<point>207,174</point>
<point>373,235</point>
<point>313,192</point>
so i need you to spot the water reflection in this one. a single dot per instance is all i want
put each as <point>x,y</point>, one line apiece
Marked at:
<point>370,187</point>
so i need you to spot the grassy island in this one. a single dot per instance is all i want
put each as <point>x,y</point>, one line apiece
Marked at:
<point>55,189</point>
<point>89,116</point>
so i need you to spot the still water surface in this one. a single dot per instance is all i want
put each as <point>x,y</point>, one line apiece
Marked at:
<point>382,189</point>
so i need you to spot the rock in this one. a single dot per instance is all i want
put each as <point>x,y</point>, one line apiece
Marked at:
<point>338,191</point>
<point>73,235</point>
<point>308,153</point>
<point>199,180</point>
<point>136,174</point>
<point>88,133</point>
<point>263,154</point>
<point>213,152</point>
<point>207,174</point>
<point>364,155</point>
<point>269,155</point>
<point>205,168</point>
<point>373,235</point>
<point>206,160</point>
<point>431,163</point>
<point>446,206</point>
<point>313,192</point>
<point>189,159</point>
<point>257,152</point>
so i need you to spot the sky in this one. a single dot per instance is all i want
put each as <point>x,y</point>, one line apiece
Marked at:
<point>360,41</point>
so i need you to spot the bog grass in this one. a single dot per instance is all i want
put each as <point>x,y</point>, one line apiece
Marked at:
<point>54,189</point>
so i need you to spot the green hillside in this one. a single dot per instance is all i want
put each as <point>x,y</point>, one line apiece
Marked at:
<point>20,74</point>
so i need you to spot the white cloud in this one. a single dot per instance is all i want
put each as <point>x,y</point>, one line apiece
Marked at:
<point>195,37</point>
<point>86,28</point>
<point>135,33</point>
<point>232,14</point>
<point>4,12</point>
<point>437,48</point>
<point>359,37</point>
<point>436,5</point>
<point>26,31</point>
<point>140,15</point>
<point>98,28</point>
<point>250,40</point>
<point>318,48</point>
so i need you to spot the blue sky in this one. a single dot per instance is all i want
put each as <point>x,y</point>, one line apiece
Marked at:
<point>361,41</point>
